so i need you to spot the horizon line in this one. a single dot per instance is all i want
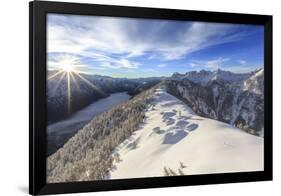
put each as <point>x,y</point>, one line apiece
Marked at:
<point>167,76</point>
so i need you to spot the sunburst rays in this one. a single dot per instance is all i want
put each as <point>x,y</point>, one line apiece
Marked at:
<point>62,75</point>
<point>74,80</point>
<point>68,93</point>
<point>56,74</point>
<point>70,74</point>
<point>88,82</point>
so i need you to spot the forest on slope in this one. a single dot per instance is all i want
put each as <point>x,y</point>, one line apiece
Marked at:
<point>88,154</point>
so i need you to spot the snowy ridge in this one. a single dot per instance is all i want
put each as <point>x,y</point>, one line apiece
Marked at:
<point>174,137</point>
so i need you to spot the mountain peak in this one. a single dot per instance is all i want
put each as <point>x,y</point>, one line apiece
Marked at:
<point>203,76</point>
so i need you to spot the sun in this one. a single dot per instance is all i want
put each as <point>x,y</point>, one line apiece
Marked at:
<point>68,67</point>
<point>68,64</point>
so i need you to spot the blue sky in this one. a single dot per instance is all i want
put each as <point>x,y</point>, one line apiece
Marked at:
<point>127,47</point>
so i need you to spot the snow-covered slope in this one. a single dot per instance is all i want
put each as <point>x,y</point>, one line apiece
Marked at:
<point>175,138</point>
<point>254,83</point>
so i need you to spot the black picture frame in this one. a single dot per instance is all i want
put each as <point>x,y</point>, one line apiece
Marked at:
<point>37,97</point>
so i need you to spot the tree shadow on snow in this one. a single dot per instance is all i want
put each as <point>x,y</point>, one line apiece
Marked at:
<point>168,115</point>
<point>181,124</point>
<point>158,130</point>
<point>192,127</point>
<point>173,138</point>
<point>169,121</point>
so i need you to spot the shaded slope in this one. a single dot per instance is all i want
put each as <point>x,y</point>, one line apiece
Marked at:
<point>88,154</point>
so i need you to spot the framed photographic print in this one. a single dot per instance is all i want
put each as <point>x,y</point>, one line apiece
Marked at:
<point>130,97</point>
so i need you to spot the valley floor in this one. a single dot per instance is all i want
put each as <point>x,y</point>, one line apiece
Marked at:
<point>175,138</point>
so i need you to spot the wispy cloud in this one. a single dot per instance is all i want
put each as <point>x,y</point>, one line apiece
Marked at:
<point>124,43</point>
<point>211,64</point>
<point>243,69</point>
<point>161,65</point>
<point>121,63</point>
<point>242,62</point>
<point>224,64</point>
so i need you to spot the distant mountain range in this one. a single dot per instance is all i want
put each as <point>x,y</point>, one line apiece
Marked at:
<point>234,98</point>
<point>203,77</point>
<point>237,99</point>
<point>86,89</point>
